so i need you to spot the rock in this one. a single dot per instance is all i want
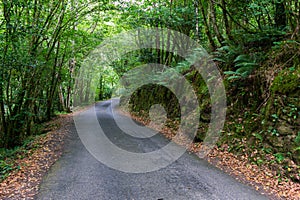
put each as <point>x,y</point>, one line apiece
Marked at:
<point>296,156</point>
<point>277,141</point>
<point>285,129</point>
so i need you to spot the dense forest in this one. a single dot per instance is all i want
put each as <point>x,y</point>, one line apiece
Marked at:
<point>255,44</point>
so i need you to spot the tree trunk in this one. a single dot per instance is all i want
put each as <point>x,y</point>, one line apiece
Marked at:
<point>101,88</point>
<point>61,98</point>
<point>226,22</point>
<point>207,28</point>
<point>214,22</point>
<point>280,15</point>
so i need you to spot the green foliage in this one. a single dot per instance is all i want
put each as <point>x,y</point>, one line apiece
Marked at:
<point>42,44</point>
<point>60,112</point>
<point>7,157</point>
<point>258,136</point>
<point>226,54</point>
<point>5,169</point>
<point>297,139</point>
<point>279,157</point>
<point>244,67</point>
<point>287,81</point>
<point>250,46</point>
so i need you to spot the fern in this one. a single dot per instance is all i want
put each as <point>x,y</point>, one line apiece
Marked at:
<point>246,64</point>
<point>234,77</point>
<point>244,67</point>
<point>242,58</point>
<point>230,73</point>
<point>226,54</point>
<point>219,60</point>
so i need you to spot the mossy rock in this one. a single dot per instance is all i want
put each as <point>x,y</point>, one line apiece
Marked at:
<point>277,142</point>
<point>287,81</point>
<point>296,155</point>
<point>285,129</point>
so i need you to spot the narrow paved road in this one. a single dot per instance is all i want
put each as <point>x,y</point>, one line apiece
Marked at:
<point>78,175</point>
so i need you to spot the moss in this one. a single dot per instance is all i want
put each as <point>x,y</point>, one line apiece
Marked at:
<point>286,81</point>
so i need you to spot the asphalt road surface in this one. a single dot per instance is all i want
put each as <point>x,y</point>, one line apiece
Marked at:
<point>79,175</point>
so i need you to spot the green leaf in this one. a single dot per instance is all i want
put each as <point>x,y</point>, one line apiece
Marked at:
<point>224,48</point>
<point>242,58</point>
<point>244,69</point>
<point>297,149</point>
<point>230,73</point>
<point>233,77</point>
<point>279,157</point>
<point>219,59</point>
<point>246,64</point>
<point>258,136</point>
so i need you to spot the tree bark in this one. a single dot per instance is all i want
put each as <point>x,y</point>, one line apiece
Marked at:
<point>207,28</point>
<point>280,15</point>
<point>214,22</point>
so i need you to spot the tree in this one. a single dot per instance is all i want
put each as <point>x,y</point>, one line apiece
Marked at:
<point>35,50</point>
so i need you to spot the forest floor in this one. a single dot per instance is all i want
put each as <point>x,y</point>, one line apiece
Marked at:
<point>23,183</point>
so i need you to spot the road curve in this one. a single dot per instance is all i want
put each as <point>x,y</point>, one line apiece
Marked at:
<point>78,175</point>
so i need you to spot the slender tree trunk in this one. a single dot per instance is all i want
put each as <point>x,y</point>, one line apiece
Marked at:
<point>168,54</point>
<point>197,31</point>
<point>226,22</point>
<point>280,15</point>
<point>72,65</point>
<point>207,28</point>
<point>101,88</point>
<point>214,22</point>
<point>61,98</point>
